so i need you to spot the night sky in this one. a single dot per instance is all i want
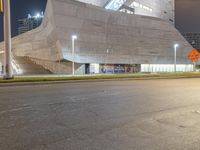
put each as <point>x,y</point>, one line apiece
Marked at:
<point>20,9</point>
<point>187,14</point>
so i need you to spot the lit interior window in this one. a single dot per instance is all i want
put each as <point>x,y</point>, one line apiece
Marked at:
<point>139,5</point>
<point>115,4</point>
<point>135,4</point>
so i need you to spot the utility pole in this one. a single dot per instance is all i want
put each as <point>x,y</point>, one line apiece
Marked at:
<point>175,49</point>
<point>74,37</point>
<point>7,40</point>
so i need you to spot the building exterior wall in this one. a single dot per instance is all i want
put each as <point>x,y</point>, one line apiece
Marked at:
<point>100,3</point>
<point>115,37</point>
<point>163,9</point>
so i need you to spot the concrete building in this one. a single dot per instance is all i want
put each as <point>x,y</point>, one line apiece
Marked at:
<point>155,8</point>
<point>109,41</point>
<point>193,39</point>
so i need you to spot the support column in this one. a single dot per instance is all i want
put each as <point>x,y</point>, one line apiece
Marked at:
<point>7,39</point>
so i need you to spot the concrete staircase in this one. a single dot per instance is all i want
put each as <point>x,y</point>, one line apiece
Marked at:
<point>24,66</point>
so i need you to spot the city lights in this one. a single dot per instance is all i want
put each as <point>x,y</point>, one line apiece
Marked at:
<point>36,16</point>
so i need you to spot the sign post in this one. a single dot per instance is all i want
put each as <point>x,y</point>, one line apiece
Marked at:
<point>1,6</point>
<point>194,55</point>
<point>7,40</point>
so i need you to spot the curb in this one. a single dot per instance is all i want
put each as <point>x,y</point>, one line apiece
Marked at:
<point>90,80</point>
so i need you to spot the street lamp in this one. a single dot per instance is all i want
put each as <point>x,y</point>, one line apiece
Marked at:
<point>175,48</point>
<point>74,37</point>
<point>194,63</point>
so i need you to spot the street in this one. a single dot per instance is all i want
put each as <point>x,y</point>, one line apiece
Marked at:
<point>162,114</point>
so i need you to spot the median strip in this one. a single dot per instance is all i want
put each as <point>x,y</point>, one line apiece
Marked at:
<point>96,77</point>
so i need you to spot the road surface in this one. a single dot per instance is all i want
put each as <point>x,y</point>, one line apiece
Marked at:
<point>159,114</point>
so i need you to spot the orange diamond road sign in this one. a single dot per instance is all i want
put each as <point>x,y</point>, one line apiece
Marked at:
<point>1,6</point>
<point>194,55</point>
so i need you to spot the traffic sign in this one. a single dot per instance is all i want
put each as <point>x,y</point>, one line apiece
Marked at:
<point>1,6</point>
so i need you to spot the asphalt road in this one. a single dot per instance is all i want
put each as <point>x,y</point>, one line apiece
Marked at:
<point>159,114</point>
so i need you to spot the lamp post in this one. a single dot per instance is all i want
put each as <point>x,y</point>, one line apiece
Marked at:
<point>74,37</point>
<point>194,63</point>
<point>7,39</point>
<point>175,48</point>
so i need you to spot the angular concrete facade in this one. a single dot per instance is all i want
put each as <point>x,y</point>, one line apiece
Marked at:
<point>104,37</point>
<point>100,3</point>
<point>163,9</point>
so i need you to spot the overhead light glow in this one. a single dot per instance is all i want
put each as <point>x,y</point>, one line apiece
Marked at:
<point>176,45</point>
<point>74,37</point>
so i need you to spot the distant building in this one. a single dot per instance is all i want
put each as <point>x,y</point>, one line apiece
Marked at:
<point>29,23</point>
<point>193,39</point>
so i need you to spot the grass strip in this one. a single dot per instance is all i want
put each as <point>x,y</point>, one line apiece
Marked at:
<point>121,76</point>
